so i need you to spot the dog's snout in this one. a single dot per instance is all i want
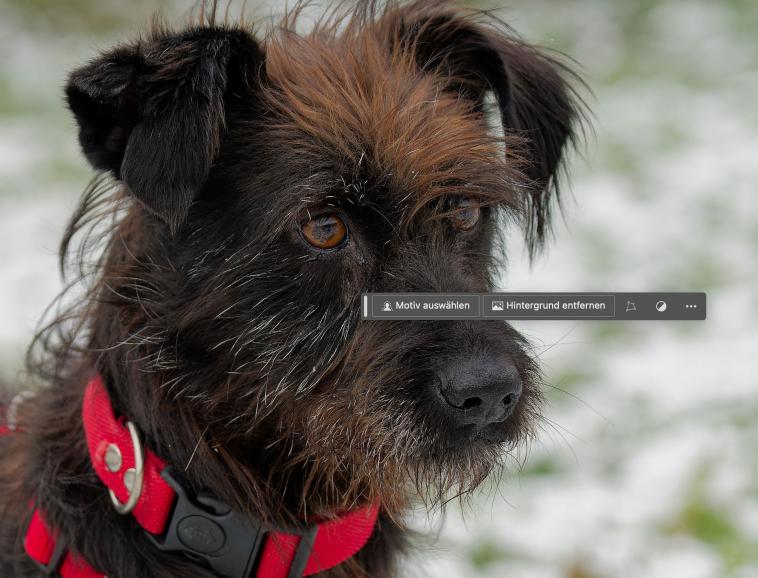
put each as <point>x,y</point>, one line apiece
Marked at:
<point>479,392</point>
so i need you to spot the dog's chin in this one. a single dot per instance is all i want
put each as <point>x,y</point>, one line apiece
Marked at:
<point>443,472</point>
<point>464,445</point>
<point>452,460</point>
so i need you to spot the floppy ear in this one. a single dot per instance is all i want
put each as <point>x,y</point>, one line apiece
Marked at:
<point>152,113</point>
<point>535,101</point>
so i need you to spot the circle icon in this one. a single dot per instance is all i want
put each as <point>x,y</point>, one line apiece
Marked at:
<point>661,306</point>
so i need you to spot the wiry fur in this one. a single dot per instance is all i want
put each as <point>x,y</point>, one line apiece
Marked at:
<point>236,348</point>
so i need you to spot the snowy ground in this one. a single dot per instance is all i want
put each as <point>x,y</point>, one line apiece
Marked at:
<point>647,465</point>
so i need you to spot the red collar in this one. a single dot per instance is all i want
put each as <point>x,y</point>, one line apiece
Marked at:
<point>178,520</point>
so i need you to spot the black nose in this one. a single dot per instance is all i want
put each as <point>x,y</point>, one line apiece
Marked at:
<point>477,392</point>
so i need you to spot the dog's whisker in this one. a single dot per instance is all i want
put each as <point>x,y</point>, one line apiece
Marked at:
<point>585,403</point>
<point>194,451</point>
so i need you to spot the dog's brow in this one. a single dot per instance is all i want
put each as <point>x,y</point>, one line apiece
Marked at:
<point>352,104</point>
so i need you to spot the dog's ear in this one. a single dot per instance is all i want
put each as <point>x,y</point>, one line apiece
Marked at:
<point>535,100</point>
<point>152,113</point>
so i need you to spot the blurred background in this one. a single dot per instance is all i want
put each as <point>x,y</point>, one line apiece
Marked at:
<point>647,461</point>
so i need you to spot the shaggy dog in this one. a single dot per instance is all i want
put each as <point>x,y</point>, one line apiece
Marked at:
<point>251,188</point>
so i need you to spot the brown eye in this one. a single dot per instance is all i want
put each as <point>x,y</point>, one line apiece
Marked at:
<point>325,231</point>
<point>465,215</point>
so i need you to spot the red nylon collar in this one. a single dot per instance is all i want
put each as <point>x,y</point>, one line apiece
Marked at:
<point>335,540</point>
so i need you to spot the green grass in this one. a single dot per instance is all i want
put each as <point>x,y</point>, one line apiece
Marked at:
<point>703,273</point>
<point>605,332</point>
<point>485,554</point>
<point>540,467</point>
<point>713,524</point>
<point>94,16</point>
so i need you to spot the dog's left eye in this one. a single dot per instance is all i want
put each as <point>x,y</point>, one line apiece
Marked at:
<point>325,231</point>
<point>465,215</point>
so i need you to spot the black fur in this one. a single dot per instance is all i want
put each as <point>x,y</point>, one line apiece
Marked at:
<point>153,114</point>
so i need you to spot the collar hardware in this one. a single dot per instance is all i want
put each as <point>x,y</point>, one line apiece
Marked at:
<point>203,527</point>
<point>133,477</point>
<point>303,552</point>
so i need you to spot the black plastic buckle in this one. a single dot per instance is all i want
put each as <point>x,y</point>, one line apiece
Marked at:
<point>208,531</point>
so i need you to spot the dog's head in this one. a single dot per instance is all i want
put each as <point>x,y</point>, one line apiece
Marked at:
<point>269,182</point>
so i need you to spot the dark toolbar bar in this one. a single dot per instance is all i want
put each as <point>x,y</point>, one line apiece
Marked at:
<point>570,306</point>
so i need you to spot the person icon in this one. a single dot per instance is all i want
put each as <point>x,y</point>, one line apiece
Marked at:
<point>387,306</point>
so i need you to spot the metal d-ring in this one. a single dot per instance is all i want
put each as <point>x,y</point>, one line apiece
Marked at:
<point>138,473</point>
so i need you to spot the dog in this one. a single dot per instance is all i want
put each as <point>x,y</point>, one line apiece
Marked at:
<point>215,372</point>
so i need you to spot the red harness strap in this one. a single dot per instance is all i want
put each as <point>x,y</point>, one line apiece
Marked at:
<point>335,540</point>
<point>41,544</point>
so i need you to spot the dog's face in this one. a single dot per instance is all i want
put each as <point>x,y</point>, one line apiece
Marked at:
<point>278,180</point>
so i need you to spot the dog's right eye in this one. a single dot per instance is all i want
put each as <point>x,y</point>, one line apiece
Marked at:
<point>325,231</point>
<point>466,215</point>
